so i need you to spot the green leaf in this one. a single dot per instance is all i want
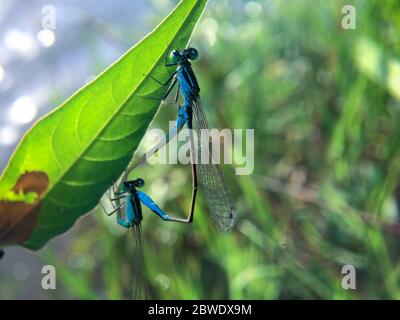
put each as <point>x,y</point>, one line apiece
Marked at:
<point>69,158</point>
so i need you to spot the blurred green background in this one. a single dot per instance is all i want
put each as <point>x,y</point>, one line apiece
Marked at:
<point>324,104</point>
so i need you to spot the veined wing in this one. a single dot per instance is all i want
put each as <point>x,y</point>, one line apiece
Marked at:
<point>215,189</point>
<point>138,284</point>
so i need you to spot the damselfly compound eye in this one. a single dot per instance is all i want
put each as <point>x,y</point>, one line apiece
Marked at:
<point>174,56</point>
<point>139,183</point>
<point>193,54</point>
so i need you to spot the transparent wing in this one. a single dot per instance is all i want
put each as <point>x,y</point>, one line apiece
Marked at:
<point>213,183</point>
<point>138,286</point>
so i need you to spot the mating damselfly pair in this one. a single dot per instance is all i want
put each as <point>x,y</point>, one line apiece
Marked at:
<point>125,199</point>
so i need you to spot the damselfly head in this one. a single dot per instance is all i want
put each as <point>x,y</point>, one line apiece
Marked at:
<point>131,184</point>
<point>178,56</point>
<point>126,186</point>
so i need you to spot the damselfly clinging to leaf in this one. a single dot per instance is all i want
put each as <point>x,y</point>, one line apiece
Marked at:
<point>192,114</point>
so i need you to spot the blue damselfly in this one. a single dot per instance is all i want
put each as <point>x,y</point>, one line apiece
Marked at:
<point>192,114</point>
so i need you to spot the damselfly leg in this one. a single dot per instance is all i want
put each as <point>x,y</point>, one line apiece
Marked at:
<point>110,203</point>
<point>171,82</point>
